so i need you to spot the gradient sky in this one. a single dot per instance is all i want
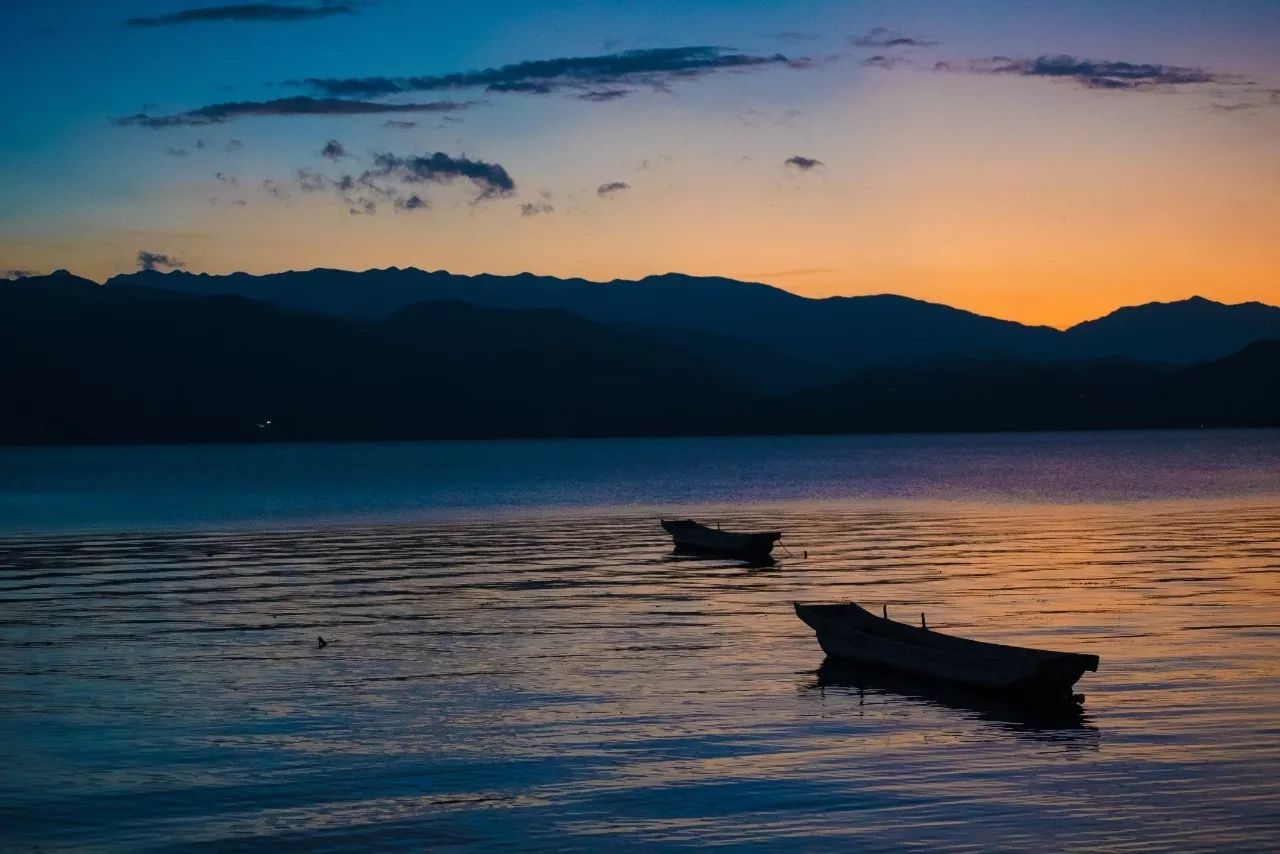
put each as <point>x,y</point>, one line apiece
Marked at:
<point>952,163</point>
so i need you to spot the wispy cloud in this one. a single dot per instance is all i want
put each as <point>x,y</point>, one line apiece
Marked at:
<point>13,275</point>
<point>536,208</point>
<point>334,150</point>
<point>606,190</point>
<point>652,68</point>
<point>244,12</point>
<point>156,260</point>
<point>299,105</point>
<point>804,164</point>
<point>882,37</point>
<point>882,61</point>
<point>601,95</point>
<point>1093,74</point>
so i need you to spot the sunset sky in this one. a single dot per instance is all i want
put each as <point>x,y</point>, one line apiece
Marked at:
<point>1040,162</point>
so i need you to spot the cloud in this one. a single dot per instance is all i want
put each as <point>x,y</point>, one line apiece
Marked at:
<point>536,208</point>
<point>606,190</point>
<point>601,95</point>
<point>652,68</point>
<point>1092,74</point>
<point>234,145</point>
<point>793,36</point>
<point>882,37</point>
<point>334,150</point>
<point>299,105</point>
<point>273,188</point>
<point>175,152</point>
<point>399,124</point>
<point>804,164</point>
<point>392,178</point>
<point>13,275</point>
<point>490,178</point>
<point>882,61</point>
<point>244,12</point>
<point>155,260</point>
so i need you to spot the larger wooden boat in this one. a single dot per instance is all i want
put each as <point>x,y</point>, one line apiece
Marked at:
<point>848,632</point>
<point>689,536</point>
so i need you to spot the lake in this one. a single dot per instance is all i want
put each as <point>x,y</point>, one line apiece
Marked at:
<point>517,659</point>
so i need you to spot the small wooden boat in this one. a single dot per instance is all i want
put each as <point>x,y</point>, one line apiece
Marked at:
<point>689,536</point>
<point>846,631</point>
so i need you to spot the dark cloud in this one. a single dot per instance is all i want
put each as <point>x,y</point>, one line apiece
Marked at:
<point>412,203</point>
<point>175,152</point>
<point>156,260</point>
<point>535,208</point>
<point>612,187</point>
<point>653,68</point>
<point>225,178</point>
<point>804,164</point>
<point>398,124</point>
<point>391,178</point>
<point>490,178</point>
<point>601,95</point>
<point>334,150</point>
<point>244,12</point>
<point>299,105</point>
<point>234,145</point>
<point>882,61</point>
<point>882,37</point>
<point>1092,74</point>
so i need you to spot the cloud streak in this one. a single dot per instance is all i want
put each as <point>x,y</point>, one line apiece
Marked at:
<point>299,105</point>
<point>804,164</point>
<point>654,68</point>
<point>1092,74</point>
<point>606,190</point>
<point>243,12</point>
<point>396,180</point>
<point>882,37</point>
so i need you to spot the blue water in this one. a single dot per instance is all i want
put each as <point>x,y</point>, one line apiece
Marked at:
<point>561,681</point>
<point>188,487</point>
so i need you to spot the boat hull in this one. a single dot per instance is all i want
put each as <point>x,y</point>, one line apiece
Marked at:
<point>690,537</point>
<point>850,633</point>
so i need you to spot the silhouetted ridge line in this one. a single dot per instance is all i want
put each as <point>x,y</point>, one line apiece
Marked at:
<point>139,361</point>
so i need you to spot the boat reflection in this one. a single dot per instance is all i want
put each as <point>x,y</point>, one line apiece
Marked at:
<point>1060,720</point>
<point>764,562</point>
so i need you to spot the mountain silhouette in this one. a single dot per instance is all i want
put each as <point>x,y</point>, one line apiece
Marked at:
<point>140,361</point>
<point>1191,330</point>
<point>837,334</point>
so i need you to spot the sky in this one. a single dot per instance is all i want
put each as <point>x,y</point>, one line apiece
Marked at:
<point>1042,162</point>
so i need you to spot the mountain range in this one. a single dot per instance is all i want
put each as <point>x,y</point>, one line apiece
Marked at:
<point>403,354</point>
<point>844,332</point>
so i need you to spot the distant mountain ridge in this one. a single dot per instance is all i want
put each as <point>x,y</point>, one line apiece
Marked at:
<point>134,363</point>
<point>840,333</point>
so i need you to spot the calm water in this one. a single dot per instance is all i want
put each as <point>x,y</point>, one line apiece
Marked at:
<point>565,682</point>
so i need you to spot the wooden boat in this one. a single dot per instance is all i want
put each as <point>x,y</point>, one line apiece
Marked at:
<point>689,536</point>
<point>846,631</point>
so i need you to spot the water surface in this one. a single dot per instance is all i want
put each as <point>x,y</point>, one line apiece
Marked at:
<point>562,681</point>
